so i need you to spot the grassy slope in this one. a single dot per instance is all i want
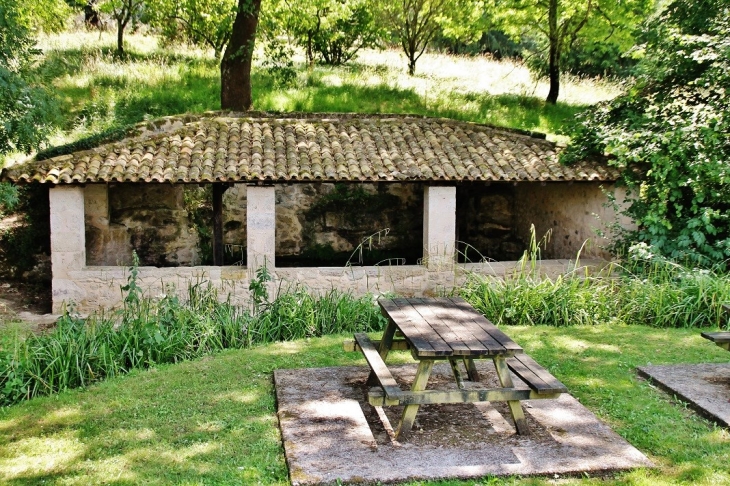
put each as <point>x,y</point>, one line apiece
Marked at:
<point>212,421</point>
<point>98,90</point>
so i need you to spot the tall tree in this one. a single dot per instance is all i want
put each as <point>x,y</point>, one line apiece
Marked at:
<point>201,22</point>
<point>561,23</point>
<point>123,12</point>
<point>416,22</point>
<point>238,57</point>
<point>670,135</point>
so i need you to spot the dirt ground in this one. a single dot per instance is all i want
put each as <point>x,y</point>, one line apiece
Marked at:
<point>26,302</point>
<point>332,435</point>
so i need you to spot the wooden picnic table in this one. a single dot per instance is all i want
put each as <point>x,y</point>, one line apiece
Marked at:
<point>449,329</point>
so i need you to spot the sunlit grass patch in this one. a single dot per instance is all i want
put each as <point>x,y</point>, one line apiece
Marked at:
<point>213,420</point>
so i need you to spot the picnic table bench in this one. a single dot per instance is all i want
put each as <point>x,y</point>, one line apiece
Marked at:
<point>449,329</point>
<point>721,338</point>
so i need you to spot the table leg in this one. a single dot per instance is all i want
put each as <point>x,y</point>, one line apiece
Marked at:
<point>471,369</point>
<point>385,343</point>
<point>457,373</point>
<point>410,411</point>
<point>514,405</point>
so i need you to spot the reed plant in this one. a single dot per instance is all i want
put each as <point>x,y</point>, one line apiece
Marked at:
<point>644,289</point>
<point>150,331</point>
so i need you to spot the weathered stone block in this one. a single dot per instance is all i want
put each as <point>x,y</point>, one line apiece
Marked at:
<point>64,261</point>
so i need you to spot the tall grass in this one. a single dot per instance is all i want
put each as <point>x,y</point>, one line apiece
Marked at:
<point>644,290</point>
<point>148,331</point>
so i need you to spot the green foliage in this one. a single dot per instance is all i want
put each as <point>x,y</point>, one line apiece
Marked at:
<point>8,197</point>
<point>562,26</point>
<point>415,23</point>
<point>198,202</point>
<point>330,31</point>
<point>123,12</point>
<point>588,57</point>
<point>27,111</point>
<point>21,244</point>
<point>669,134</point>
<point>278,62</point>
<point>201,22</point>
<point>169,329</point>
<point>648,290</point>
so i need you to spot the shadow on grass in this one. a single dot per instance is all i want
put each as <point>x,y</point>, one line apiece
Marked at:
<point>598,365</point>
<point>211,421</point>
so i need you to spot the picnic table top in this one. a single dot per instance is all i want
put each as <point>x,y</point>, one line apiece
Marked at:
<point>446,327</point>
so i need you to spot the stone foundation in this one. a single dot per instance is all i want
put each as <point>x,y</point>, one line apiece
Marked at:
<point>96,288</point>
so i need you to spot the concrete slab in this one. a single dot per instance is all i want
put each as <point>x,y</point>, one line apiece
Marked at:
<point>705,387</point>
<point>331,433</point>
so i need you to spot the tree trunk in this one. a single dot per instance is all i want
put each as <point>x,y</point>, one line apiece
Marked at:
<point>554,53</point>
<point>236,62</point>
<point>120,36</point>
<point>411,67</point>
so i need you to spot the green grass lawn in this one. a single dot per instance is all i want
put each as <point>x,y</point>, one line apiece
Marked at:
<point>213,420</point>
<point>97,90</point>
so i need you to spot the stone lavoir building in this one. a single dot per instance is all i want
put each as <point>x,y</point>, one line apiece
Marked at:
<point>428,200</point>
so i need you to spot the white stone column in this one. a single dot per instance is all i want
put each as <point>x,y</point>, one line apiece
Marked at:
<point>96,211</point>
<point>260,227</point>
<point>68,242</point>
<point>439,226</point>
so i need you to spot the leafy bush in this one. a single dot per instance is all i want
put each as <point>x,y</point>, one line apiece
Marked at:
<point>330,31</point>
<point>669,135</point>
<point>587,58</point>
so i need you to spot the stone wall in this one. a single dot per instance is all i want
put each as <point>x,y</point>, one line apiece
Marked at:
<point>320,220</point>
<point>148,218</point>
<point>96,288</point>
<point>573,213</point>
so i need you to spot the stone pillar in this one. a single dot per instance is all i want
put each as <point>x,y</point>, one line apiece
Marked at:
<point>68,242</point>
<point>260,228</point>
<point>96,210</point>
<point>439,226</point>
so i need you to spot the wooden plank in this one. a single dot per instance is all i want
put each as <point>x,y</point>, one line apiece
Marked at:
<point>537,377</point>
<point>397,345</point>
<point>394,313</point>
<point>422,328</point>
<point>515,407</point>
<point>478,319</point>
<point>409,411</point>
<point>377,365</point>
<point>427,309</point>
<point>429,397</point>
<point>476,338</point>
<point>717,337</point>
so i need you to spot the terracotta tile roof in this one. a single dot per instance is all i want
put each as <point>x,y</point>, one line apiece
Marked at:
<point>299,147</point>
